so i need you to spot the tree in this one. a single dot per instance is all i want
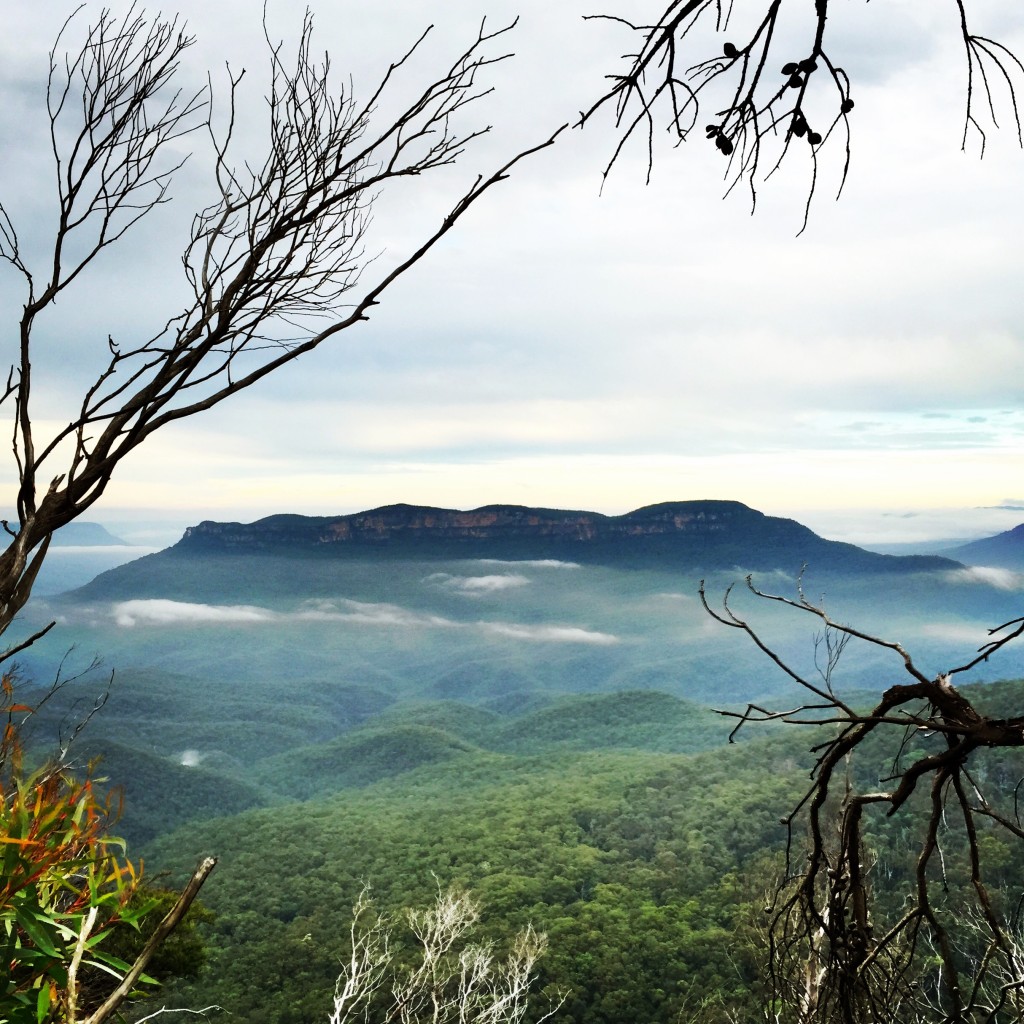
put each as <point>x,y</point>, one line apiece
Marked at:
<point>449,978</point>
<point>275,266</point>
<point>774,85</point>
<point>948,948</point>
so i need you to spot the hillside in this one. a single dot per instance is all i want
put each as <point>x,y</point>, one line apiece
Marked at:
<point>647,871</point>
<point>82,534</point>
<point>1004,550</point>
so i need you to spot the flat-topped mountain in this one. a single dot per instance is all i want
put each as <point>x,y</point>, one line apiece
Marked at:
<point>708,534</point>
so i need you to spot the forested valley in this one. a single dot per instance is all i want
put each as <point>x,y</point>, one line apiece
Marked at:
<point>543,734</point>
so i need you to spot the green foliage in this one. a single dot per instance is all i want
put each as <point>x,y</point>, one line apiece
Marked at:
<point>360,758</point>
<point>648,872</point>
<point>65,885</point>
<point>186,792</point>
<point>641,868</point>
<point>183,953</point>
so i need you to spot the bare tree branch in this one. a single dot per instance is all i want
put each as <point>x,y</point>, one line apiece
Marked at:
<point>834,953</point>
<point>274,265</point>
<point>762,89</point>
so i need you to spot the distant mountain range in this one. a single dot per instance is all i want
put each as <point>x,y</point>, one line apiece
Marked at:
<point>1005,550</point>
<point>86,535</point>
<point>702,534</point>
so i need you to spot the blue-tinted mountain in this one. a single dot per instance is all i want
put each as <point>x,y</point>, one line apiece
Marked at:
<point>85,535</point>
<point>1004,550</point>
<point>711,534</point>
<point>702,535</point>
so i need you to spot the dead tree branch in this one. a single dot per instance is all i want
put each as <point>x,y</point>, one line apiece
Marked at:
<point>767,94</point>
<point>836,953</point>
<point>275,266</point>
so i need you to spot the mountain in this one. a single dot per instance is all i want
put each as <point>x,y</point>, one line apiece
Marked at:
<point>1004,550</point>
<point>708,534</point>
<point>79,534</point>
<point>671,536</point>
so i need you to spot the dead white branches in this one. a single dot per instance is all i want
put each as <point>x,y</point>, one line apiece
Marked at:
<point>450,978</point>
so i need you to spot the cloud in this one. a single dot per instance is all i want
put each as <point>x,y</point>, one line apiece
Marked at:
<point>368,613</point>
<point>988,575</point>
<point>956,632</point>
<point>190,758</point>
<point>530,563</point>
<point>475,586</point>
<point>163,612</point>
<point>554,634</point>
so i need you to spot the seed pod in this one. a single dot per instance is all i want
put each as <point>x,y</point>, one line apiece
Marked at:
<point>790,69</point>
<point>847,106</point>
<point>730,50</point>
<point>814,138</point>
<point>808,65</point>
<point>724,144</point>
<point>795,81</point>
<point>799,127</point>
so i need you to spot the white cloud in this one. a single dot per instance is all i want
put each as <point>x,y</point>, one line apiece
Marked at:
<point>530,563</point>
<point>989,575</point>
<point>553,634</point>
<point>368,613</point>
<point>957,632</point>
<point>163,612</point>
<point>475,586</point>
<point>525,355</point>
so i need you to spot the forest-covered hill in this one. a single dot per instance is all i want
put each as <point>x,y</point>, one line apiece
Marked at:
<point>649,872</point>
<point>540,729</point>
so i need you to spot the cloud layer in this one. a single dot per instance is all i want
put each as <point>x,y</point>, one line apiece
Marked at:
<point>988,575</point>
<point>475,586</point>
<point>161,612</point>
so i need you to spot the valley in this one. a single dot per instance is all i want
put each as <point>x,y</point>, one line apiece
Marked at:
<point>539,728</point>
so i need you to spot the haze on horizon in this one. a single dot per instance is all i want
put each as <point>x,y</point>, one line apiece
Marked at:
<point>577,349</point>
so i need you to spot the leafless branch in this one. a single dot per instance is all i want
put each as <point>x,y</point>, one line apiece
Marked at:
<point>835,953</point>
<point>170,921</point>
<point>452,978</point>
<point>762,90</point>
<point>275,265</point>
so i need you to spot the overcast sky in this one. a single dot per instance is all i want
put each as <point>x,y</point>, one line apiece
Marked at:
<point>569,346</point>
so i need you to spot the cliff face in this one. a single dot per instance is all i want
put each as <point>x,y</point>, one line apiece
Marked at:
<point>403,523</point>
<point>395,521</point>
<point>709,533</point>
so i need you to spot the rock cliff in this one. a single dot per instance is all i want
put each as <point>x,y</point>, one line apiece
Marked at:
<point>711,533</point>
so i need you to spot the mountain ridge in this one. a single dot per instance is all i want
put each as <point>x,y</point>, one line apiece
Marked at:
<point>708,533</point>
<point>1005,550</point>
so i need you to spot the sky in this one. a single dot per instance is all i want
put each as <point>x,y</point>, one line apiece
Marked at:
<point>578,346</point>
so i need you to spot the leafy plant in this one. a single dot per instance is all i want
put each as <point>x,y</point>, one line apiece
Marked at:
<point>66,888</point>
